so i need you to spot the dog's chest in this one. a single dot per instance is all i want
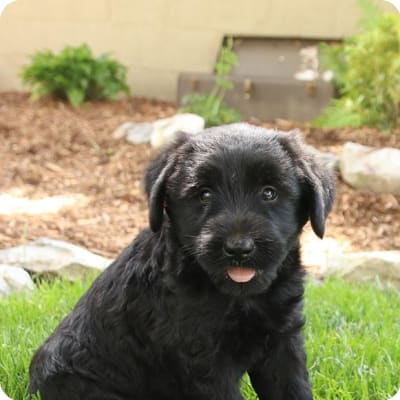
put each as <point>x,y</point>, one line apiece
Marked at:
<point>217,337</point>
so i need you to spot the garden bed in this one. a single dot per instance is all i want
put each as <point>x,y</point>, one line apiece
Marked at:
<point>48,149</point>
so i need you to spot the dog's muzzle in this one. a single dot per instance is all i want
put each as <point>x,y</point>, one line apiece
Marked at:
<point>239,249</point>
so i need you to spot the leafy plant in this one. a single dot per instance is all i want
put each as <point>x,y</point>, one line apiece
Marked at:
<point>367,73</point>
<point>212,106</point>
<point>74,75</point>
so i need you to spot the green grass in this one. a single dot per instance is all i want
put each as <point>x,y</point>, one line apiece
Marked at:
<point>352,335</point>
<point>24,324</point>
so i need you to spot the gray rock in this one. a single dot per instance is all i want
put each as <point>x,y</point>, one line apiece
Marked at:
<point>139,133</point>
<point>365,267</point>
<point>160,132</point>
<point>165,130</point>
<point>377,170</point>
<point>316,253</point>
<point>14,280</point>
<point>122,130</point>
<point>14,205</point>
<point>134,133</point>
<point>53,258</point>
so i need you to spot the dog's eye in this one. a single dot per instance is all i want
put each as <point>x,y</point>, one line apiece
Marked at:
<point>205,195</point>
<point>269,194</point>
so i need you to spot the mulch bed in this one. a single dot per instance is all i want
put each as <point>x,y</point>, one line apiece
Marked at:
<point>48,148</point>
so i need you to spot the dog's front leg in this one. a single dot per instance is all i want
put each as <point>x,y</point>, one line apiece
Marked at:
<point>282,375</point>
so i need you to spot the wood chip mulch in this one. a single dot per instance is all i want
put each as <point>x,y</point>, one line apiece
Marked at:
<point>48,148</point>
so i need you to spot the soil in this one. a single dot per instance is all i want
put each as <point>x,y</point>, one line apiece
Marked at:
<point>48,148</point>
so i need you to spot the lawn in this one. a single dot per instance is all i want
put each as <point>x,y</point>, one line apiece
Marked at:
<point>352,335</point>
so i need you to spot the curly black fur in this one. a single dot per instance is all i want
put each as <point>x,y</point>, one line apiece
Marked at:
<point>165,321</point>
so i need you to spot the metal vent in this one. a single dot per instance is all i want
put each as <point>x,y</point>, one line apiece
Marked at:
<point>275,78</point>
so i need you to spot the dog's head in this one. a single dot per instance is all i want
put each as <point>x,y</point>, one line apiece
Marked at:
<point>236,198</point>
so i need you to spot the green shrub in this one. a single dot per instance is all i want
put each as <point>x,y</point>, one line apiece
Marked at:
<point>74,75</point>
<point>211,106</point>
<point>367,73</point>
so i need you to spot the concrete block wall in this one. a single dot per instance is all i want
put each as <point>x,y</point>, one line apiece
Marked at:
<point>157,39</point>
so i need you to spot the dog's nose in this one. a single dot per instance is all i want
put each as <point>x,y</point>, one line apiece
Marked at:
<point>239,247</point>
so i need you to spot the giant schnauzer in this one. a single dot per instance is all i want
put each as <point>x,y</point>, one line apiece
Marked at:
<point>212,290</point>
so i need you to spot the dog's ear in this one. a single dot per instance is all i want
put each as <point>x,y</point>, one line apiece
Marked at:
<point>155,180</point>
<point>317,176</point>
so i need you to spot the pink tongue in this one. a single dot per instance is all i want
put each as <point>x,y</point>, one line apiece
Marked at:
<point>241,275</point>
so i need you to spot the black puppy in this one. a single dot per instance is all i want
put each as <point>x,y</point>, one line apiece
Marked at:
<point>212,291</point>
